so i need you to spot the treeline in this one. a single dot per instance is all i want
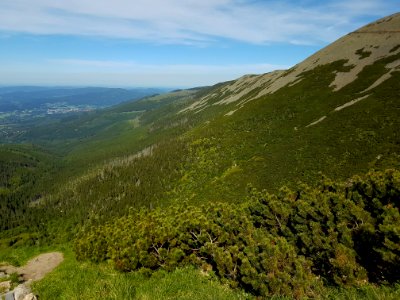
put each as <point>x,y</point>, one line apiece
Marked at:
<point>289,243</point>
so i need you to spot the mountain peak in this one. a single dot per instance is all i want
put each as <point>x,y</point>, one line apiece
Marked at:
<point>389,24</point>
<point>358,49</point>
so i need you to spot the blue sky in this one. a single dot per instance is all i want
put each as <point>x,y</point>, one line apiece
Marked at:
<point>167,43</point>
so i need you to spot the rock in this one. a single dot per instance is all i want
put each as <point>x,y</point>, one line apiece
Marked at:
<point>5,286</point>
<point>30,296</point>
<point>9,296</point>
<point>21,291</point>
<point>3,275</point>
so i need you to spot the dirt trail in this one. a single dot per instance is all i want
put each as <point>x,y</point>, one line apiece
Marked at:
<point>37,267</point>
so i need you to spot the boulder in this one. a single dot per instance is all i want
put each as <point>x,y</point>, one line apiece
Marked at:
<point>21,291</point>
<point>9,296</point>
<point>30,296</point>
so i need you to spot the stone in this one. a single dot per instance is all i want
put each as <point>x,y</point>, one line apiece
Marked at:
<point>21,291</point>
<point>30,296</point>
<point>9,296</point>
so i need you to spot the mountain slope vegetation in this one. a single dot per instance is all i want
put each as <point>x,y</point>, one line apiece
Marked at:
<point>196,176</point>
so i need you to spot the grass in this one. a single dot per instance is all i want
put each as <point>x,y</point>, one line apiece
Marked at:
<point>73,280</point>
<point>368,292</point>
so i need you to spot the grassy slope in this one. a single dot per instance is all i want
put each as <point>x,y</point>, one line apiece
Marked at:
<point>267,143</point>
<point>74,280</point>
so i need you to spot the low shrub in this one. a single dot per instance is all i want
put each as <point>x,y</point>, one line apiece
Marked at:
<point>271,244</point>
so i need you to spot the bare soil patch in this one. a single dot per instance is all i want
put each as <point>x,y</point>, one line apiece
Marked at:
<point>37,267</point>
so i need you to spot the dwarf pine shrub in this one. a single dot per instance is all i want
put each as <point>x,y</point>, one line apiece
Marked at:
<point>271,244</point>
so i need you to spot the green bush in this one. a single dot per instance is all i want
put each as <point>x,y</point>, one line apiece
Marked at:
<point>218,237</point>
<point>271,244</point>
<point>377,243</point>
<point>317,221</point>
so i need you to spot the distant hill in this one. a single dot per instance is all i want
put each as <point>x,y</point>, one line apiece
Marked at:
<point>25,97</point>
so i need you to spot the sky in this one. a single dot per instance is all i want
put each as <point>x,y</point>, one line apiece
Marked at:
<point>167,43</point>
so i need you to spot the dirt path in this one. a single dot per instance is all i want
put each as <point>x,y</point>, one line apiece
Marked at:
<point>37,267</point>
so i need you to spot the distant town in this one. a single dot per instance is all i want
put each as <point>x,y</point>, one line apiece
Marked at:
<point>10,120</point>
<point>64,108</point>
<point>43,110</point>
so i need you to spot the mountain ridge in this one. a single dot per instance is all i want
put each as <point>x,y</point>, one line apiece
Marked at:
<point>386,42</point>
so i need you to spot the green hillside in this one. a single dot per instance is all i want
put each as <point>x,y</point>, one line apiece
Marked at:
<point>231,178</point>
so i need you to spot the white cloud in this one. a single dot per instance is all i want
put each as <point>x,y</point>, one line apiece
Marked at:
<point>191,21</point>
